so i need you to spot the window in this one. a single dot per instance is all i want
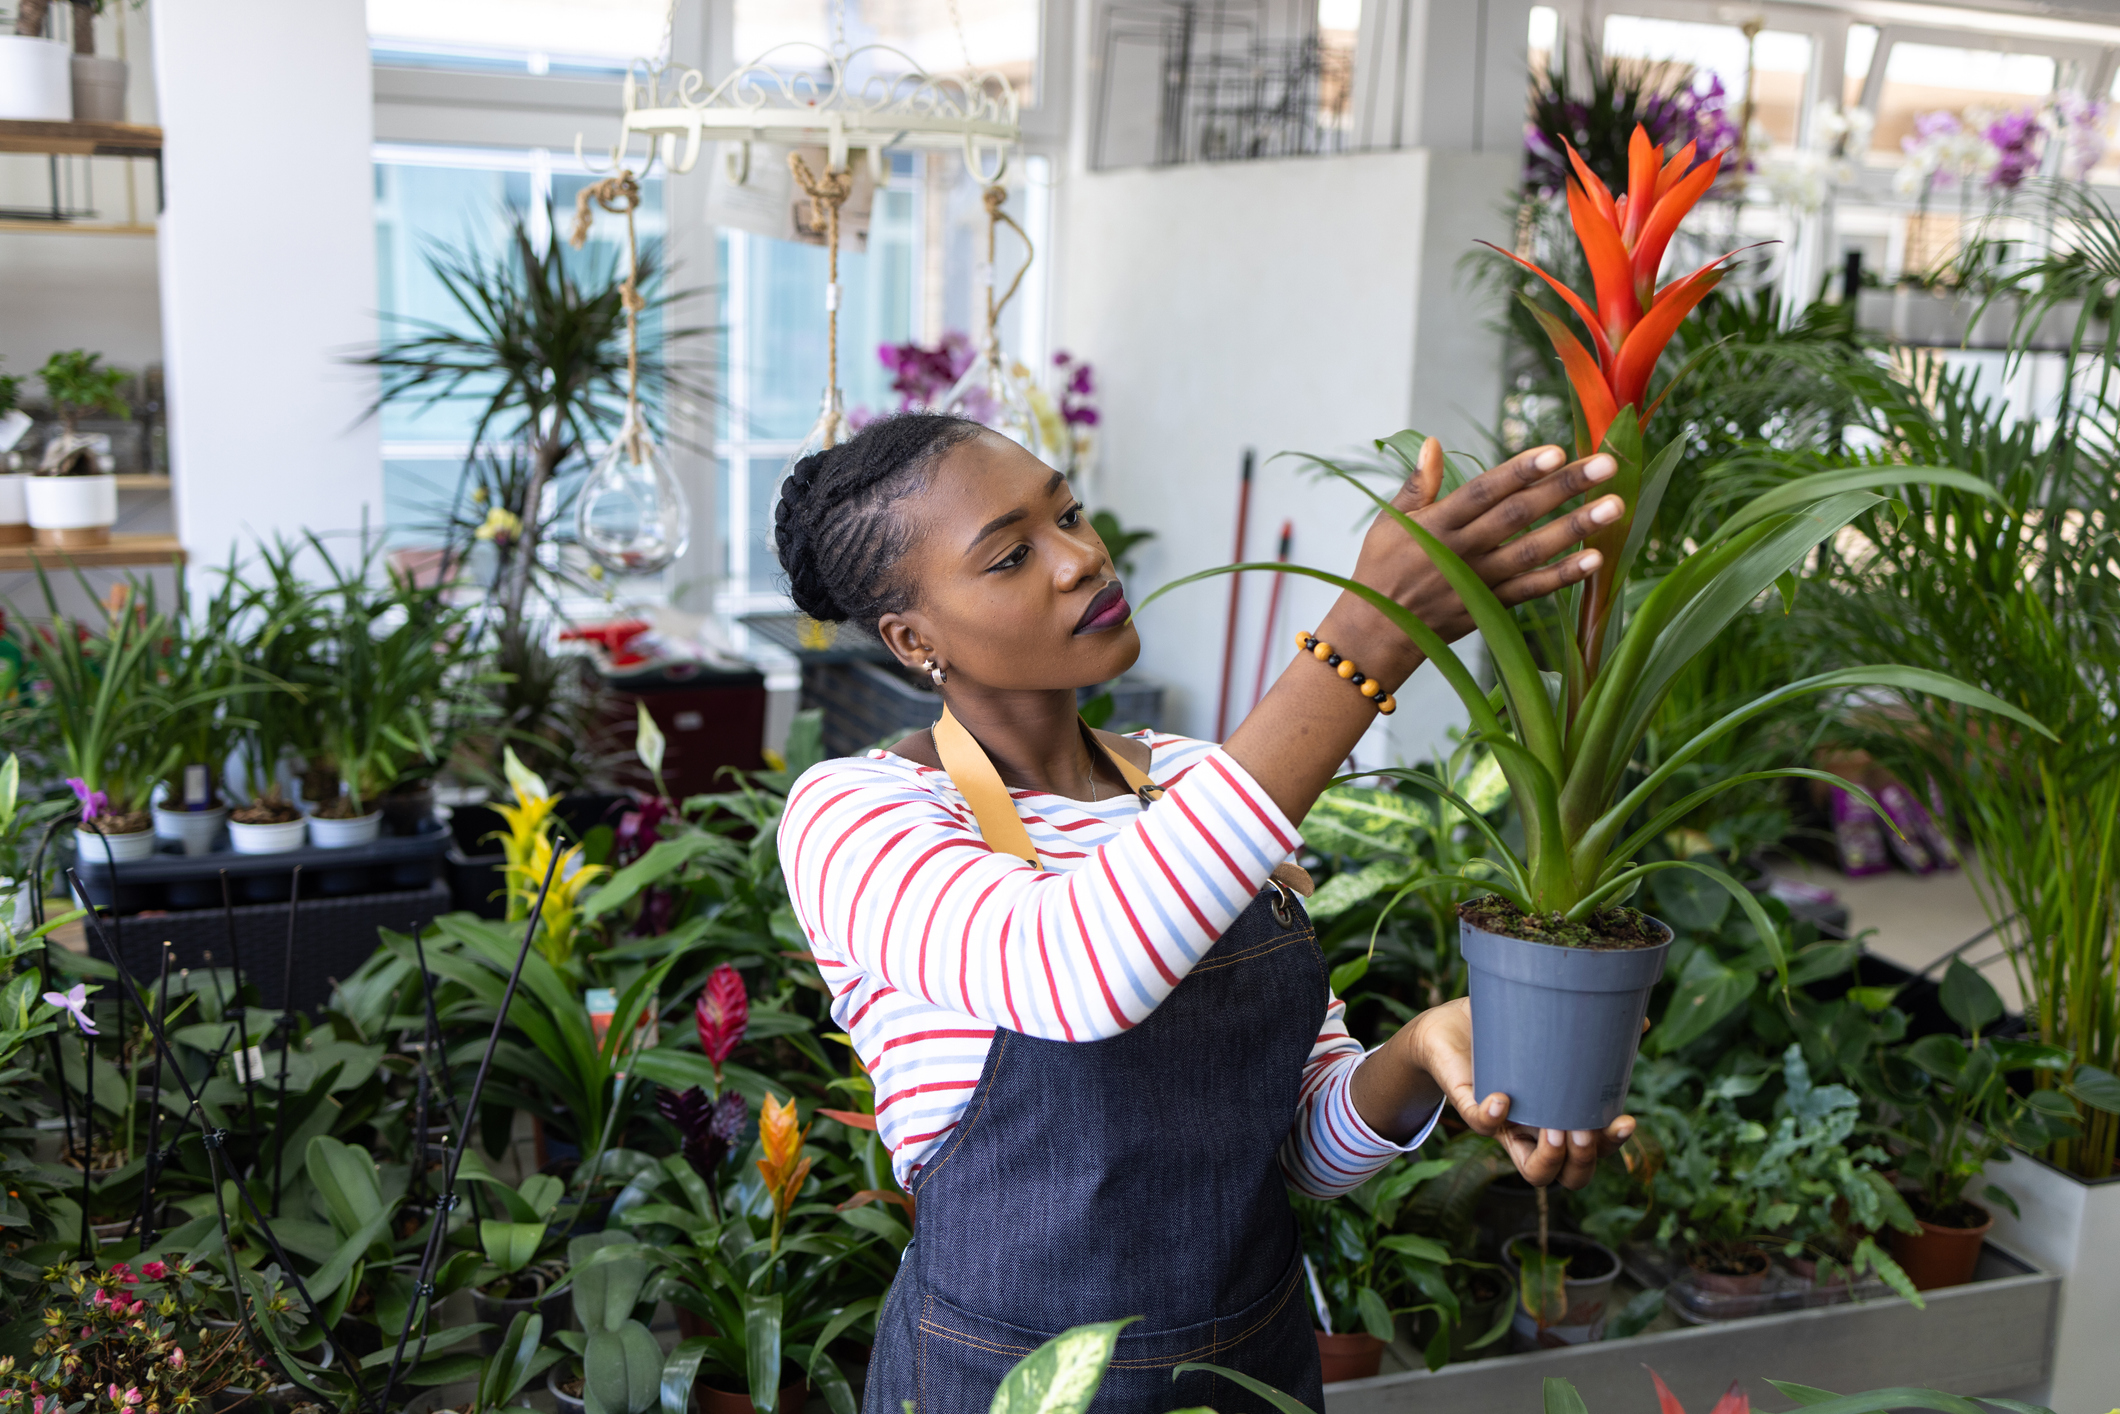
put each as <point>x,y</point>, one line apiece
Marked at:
<point>927,233</point>
<point>1922,78</point>
<point>1781,60</point>
<point>996,35</point>
<point>519,36</point>
<point>1861,52</point>
<point>461,198</point>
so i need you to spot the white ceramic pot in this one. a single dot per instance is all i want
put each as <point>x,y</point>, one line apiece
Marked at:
<point>197,830</point>
<point>72,510</point>
<point>36,82</point>
<point>345,834</point>
<point>99,89</point>
<point>89,847</point>
<point>14,508</point>
<point>266,839</point>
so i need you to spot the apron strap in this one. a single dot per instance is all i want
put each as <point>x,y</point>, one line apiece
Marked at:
<point>980,785</point>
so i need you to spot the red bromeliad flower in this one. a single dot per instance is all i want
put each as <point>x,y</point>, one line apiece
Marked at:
<point>723,1014</point>
<point>1734,1400</point>
<point>1624,239</point>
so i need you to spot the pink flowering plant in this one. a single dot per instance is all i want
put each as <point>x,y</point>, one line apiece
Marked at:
<point>135,1341</point>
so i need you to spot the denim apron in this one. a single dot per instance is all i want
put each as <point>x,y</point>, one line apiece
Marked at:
<point>1133,1176</point>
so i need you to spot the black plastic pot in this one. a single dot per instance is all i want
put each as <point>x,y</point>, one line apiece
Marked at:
<point>1592,1270</point>
<point>555,1306</point>
<point>1556,1029</point>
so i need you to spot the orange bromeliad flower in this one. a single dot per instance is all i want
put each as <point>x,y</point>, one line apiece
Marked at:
<point>1624,239</point>
<point>783,1168</point>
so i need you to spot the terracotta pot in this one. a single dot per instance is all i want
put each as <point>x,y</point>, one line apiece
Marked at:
<point>1746,1283</point>
<point>1349,1357</point>
<point>721,1401</point>
<point>1941,1256</point>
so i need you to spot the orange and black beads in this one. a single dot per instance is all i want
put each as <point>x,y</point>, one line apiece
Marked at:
<point>1321,650</point>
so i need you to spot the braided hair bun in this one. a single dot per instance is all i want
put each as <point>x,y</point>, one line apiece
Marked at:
<point>835,527</point>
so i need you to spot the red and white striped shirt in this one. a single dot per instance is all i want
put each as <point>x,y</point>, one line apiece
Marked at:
<point>930,940</point>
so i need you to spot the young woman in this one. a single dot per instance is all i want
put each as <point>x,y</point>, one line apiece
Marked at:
<point>1074,963</point>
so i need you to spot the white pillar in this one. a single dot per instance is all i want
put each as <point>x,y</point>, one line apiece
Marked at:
<point>267,268</point>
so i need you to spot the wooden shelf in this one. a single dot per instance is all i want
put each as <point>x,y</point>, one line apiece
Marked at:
<point>80,139</point>
<point>142,481</point>
<point>81,228</point>
<point>121,551</point>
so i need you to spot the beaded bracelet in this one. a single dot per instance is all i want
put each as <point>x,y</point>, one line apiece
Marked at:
<point>1371,688</point>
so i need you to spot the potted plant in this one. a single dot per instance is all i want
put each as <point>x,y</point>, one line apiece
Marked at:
<point>620,1365</point>
<point>98,80</point>
<point>1950,1112</point>
<point>762,1267</point>
<point>199,678</point>
<point>36,84</point>
<point>1561,968</point>
<point>525,1256</point>
<point>14,502</point>
<point>285,627</point>
<point>1366,1275</point>
<point>92,686</point>
<point>73,498</point>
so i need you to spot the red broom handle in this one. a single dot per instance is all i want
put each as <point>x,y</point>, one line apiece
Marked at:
<point>1236,585</point>
<point>1273,614</point>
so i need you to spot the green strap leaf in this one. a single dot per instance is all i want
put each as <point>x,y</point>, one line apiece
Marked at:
<point>1285,1402</point>
<point>761,1341</point>
<point>1819,485</point>
<point>1561,1397</point>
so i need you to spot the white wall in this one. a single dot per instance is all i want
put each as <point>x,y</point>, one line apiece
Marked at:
<point>1304,304</point>
<point>267,267</point>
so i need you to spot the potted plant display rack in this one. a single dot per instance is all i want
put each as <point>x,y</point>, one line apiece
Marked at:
<point>1994,1335</point>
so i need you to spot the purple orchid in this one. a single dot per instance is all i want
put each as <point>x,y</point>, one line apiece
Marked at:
<point>711,1127</point>
<point>93,802</point>
<point>2019,142</point>
<point>75,1003</point>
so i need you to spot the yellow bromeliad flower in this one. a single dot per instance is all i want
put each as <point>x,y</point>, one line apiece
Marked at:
<point>562,911</point>
<point>529,821</point>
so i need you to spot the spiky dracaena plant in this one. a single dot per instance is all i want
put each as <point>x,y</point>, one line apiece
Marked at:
<point>1566,738</point>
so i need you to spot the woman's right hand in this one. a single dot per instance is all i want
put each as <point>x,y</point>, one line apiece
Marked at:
<point>1485,523</point>
<point>1299,734</point>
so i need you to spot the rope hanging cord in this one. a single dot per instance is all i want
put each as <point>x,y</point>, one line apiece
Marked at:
<point>620,195</point>
<point>827,193</point>
<point>996,218</point>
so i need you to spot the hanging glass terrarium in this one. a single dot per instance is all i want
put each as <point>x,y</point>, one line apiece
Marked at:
<point>827,192</point>
<point>631,514</point>
<point>997,390</point>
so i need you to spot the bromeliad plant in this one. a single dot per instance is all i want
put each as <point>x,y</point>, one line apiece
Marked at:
<point>1567,731</point>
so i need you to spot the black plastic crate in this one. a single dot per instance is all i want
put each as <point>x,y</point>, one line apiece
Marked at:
<point>175,883</point>
<point>332,938</point>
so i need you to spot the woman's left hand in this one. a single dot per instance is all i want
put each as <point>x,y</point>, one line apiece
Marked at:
<point>1439,1040</point>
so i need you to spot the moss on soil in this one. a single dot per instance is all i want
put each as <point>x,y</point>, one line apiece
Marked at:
<point>1613,929</point>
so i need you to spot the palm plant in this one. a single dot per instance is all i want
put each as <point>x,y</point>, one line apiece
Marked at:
<point>539,347</point>
<point>90,684</point>
<point>2010,587</point>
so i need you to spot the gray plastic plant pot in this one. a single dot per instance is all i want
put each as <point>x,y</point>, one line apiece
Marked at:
<point>1556,1029</point>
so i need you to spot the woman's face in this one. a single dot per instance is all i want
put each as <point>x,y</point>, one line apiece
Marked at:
<point>1012,590</point>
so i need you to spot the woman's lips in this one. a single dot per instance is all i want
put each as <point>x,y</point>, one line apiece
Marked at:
<point>1108,610</point>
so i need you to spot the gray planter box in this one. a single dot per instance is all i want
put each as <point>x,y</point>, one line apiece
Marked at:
<point>1991,1336</point>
